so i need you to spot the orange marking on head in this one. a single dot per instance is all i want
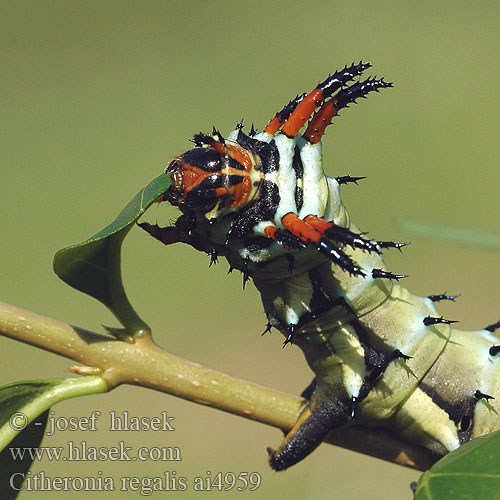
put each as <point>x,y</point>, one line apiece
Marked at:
<point>219,147</point>
<point>235,152</point>
<point>240,155</point>
<point>192,176</point>
<point>241,192</point>
<point>302,113</point>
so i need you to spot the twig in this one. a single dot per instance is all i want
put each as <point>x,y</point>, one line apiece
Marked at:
<point>146,364</point>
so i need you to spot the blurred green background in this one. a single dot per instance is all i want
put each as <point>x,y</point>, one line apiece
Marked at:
<point>98,96</point>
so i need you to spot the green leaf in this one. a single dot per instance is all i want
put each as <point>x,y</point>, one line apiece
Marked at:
<point>22,402</point>
<point>470,473</point>
<point>20,405</point>
<point>93,266</point>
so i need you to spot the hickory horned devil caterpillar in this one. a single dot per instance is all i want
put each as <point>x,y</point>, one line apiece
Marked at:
<point>382,357</point>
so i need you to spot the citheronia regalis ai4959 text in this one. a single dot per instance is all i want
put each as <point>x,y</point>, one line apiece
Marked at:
<point>382,357</point>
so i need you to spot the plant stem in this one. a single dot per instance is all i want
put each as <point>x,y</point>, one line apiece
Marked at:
<point>146,364</point>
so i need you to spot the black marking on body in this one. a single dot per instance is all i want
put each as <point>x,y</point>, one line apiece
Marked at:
<point>268,152</point>
<point>376,361</point>
<point>320,301</point>
<point>461,412</point>
<point>263,208</point>
<point>270,157</point>
<point>297,165</point>
<point>308,391</point>
<point>298,168</point>
<point>299,197</point>
<point>256,243</point>
<point>249,143</point>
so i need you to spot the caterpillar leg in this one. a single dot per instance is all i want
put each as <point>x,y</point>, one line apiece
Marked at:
<point>311,428</point>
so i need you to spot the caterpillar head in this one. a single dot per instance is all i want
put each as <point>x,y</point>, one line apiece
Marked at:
<point>212,179</point>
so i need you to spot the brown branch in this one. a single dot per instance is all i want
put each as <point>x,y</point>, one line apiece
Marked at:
<point>146,364</point>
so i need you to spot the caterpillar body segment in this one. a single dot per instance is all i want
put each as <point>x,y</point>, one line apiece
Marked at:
<point>382,357</point>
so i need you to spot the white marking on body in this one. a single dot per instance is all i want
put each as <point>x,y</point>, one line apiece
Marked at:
<point>489,336</point>
<point>258,229</point>
<point>286,180</point>
<point>232,136</point>
<point>334,208</point>
<point>263,136</point>
<point>299,292</point>
<point>314,184</point>
<point>351,352</point>
<point>433,422</point>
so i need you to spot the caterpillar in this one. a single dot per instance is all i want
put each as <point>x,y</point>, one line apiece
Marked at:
<point>382,357</point>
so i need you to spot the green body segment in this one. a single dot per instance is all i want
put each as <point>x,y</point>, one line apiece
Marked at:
<point>428,399</point>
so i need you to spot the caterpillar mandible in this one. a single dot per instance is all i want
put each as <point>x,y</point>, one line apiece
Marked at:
<point>382,357</point>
